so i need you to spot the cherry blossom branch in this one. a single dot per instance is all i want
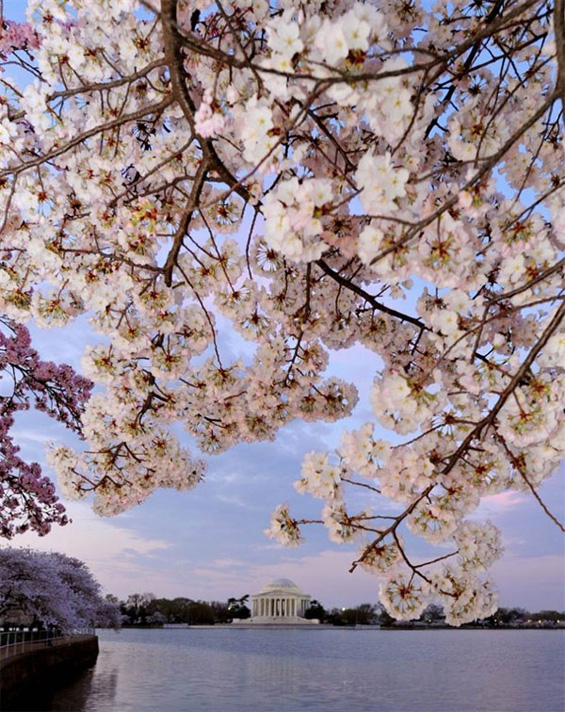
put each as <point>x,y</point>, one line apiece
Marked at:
<point>488,420</point>
<point>392,529</point>
<point>184,222</point>
<point>557,267</point>
<point>106,86</point>
<point>360,484</point>
<point>81,137</point>
<point>344,282</point>
<point>559,28</point>
<point>488,165</point>
<point>519,466</point>
<point>174,60</point>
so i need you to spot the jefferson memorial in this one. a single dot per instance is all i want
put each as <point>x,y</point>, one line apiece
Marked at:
<point>280,602</point>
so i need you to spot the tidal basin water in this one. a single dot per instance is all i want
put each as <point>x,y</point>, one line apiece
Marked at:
<point>329,670</point>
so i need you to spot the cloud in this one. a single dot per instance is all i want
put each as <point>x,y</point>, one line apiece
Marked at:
<point>65,344</point>
<point>229,563</point>
<point>235,501</point>
<point>324,576</point>
<point>26,437</point>
<point>114,554</point>
<point>502,501</point>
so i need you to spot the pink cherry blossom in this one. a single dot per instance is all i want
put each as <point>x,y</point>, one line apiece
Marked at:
<point>52,590</point>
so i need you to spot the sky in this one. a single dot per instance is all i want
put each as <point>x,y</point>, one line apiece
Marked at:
<point>208,543</point>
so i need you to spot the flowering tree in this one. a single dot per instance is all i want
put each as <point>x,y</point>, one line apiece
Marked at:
<point>321,174</point>
<point>27,498</point>
<point>52,589</point>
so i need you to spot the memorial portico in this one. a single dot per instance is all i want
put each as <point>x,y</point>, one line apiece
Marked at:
<point>280,602</point>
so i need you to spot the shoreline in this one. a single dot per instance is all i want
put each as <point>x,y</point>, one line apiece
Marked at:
<point>22,674</point>
<point>324,626</point>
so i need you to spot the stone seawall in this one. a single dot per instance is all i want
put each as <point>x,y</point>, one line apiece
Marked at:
<point>41,665</point>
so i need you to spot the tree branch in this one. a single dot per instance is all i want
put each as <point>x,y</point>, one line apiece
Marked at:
<point>348,284</point>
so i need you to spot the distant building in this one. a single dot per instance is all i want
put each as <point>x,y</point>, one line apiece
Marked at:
<point>280,602</point>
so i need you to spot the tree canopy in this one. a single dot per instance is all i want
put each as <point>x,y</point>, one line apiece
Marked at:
<point>313,176</point>
<point>51,589</point>
<point>28,500</point>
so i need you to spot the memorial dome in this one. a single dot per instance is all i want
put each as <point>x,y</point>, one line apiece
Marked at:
<point>281,583</point>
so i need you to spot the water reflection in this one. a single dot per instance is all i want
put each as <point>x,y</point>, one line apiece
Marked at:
<point>76,696</point>
<point>223,670</point>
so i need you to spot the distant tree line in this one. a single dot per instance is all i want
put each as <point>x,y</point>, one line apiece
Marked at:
<point>520,616</point>
<point>433,615</point>
<point>145,609</point>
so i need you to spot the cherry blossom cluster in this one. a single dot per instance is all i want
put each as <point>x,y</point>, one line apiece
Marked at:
<point>52,589</point>
<point>316,176</point>
<point>28,499</point>
<point>16,36</point>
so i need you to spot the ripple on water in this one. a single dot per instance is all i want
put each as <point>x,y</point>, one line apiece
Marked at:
<point>352,670</point>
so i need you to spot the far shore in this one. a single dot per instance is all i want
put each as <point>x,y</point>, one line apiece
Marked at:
<point>324,626</point>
